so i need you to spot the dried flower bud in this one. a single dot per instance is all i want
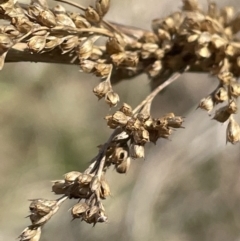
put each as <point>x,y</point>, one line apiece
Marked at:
<point>222,114</point>
<point>207,103</point>
<point>78,210</point>
<point>102,7</point>
<point>175,122</point>
<point>111,98</point>
<point>123,167</point>
<point>137,151</point>
<point>126,109</point>
<point>30,234</point>
<point>102,89</point>
<point>71,176</point>
<point>233,131</point>
<point>92,15</point>
<point>37,43</point>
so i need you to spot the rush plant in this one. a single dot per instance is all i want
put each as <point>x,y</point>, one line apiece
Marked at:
<point>188,40</point>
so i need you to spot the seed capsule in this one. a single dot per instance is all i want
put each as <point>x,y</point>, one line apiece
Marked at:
<point>111,98</point>
<point>79,209</point>
<point>102,89</point>
<point>92,15</point>
<point>71,176</point>
<point>30,234</point>
<point>137,151</point>
<point>207,103</point>
<point>222,114</point>
<point>126,109</point>
<point>105,189</point>
<point>59,187</point>
<point>233,131</point>
<point>102,7</point>
<point>123,167</point>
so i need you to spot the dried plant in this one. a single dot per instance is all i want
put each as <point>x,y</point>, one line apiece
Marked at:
<point>188,40</point>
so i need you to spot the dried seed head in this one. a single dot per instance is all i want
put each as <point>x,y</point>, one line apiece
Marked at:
<point>111,98</point>
<point>123,167</point>
<point>102,7</point>
<point>126,109</point>
<point>137,151</point>
<point>207,103</point>
<point>70,177</point>
<point>78,210</point>
<point>92,15</point>
<point>30,234</point>
<point>102,89</point>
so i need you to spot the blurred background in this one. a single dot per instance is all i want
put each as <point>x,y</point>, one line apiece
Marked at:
<point>187,188</point>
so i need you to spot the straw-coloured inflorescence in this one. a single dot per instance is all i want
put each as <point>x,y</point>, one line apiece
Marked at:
<point>187,40</point>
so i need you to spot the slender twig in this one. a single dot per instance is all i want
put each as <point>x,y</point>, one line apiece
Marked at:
<point>153,94</point>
